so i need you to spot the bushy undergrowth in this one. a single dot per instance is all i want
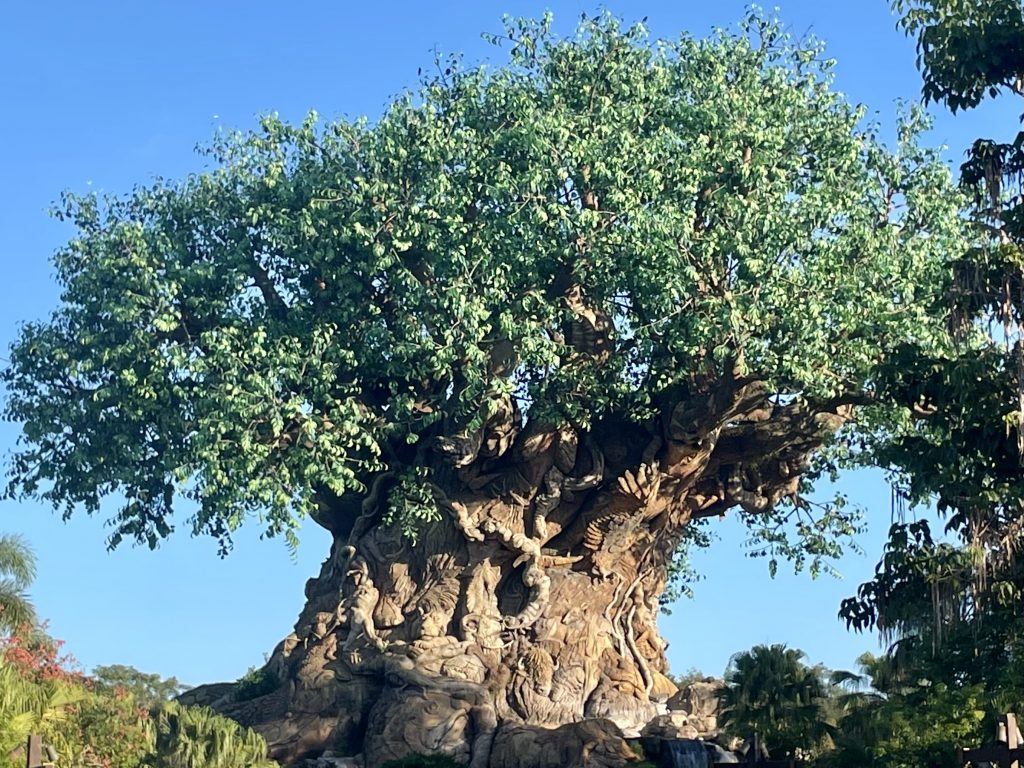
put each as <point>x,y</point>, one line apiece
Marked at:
<point>92,726</point>
<point>192,737</point>
<point>258,681</point>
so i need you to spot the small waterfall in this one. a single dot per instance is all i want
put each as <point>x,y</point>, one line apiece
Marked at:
<point>687,753</point>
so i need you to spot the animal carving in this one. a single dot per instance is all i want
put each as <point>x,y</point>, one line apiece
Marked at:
<point>620,521</point>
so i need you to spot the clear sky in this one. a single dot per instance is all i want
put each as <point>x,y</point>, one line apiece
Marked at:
<point>108,95</point>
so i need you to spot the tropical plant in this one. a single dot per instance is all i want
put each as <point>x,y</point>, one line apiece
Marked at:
<point>769,691</point>
<point>950,609</point>
<point>965,447</point>
<point>902,721</point>
<point>102,730</point>
<point>197,737</point>
<point>17,570</point>
<point>30,706</point>
<point>100,724</point>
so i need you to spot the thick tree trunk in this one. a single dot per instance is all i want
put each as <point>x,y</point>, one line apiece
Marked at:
<point>532,603</point>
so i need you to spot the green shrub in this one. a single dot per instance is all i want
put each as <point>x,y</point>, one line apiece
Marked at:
<point>102,729</point>
<point>29,706</point>
<point>197,737</point>
<point>258,681</point>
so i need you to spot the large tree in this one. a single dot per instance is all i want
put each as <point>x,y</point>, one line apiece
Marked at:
<point>952,609</point>
<point>507,344</point>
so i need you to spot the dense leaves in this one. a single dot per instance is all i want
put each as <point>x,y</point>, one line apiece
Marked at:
<point>950,608</point>
<point>770,691</point>
<point>197,737</point>
<point>967,49</point>
<point>902,721</point>
<point>89,724</point>
<point>266,337</point>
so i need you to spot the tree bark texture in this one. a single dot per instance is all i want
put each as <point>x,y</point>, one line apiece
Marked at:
<point>528,612</point>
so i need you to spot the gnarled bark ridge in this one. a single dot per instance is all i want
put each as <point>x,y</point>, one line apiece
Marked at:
<point>532,603</point>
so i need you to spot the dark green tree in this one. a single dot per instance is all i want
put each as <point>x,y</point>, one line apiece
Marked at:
<point>506,344</point>
<point>888,717</point>
<point>967,51</point>
<point>770,691</point>
<point>960,447</point>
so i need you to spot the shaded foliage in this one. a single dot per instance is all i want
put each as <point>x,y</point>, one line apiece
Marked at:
<point>966,49</point>
<point>256,682</point>
<point>770,691</point>
<point>948,607</point>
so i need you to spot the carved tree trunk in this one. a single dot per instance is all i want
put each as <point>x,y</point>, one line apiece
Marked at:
<point>532,603</point>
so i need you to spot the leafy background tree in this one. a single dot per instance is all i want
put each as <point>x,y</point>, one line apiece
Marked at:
<point>103,721</point>
<point>147,689</point>
<point>950,607</point>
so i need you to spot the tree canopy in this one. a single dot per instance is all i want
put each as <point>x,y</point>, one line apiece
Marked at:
<point>967,49</point>
<point>592,228</point>
<point>950,608</point>
<point>147,689</point>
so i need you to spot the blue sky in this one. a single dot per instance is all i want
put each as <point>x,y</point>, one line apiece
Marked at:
<point>105,96</point>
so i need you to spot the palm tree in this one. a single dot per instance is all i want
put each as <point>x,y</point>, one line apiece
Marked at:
<point>197,737</point>
<point>770,691</point>
<point>859,700</point>
<point>17,569</point>
<point>28,706</point>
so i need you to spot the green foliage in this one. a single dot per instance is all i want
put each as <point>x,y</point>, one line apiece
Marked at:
<point>804,533</point>
<point>411,505</point>
<point>770,691</point>
<point>950,609</point>
<point>920,589</point>
<point>328,298</point>
<point>966,49</point>
<point>17,569</point>
<point>423,761</point>
<point>102,729</point>
<point>681,573</point>
<point>146,689</point>
<point>928,725</point>
<point>256,682</point>
<point>690,676</point>
<point>197,737</point>
<point>101,724</point>
<point>904,721</point>
<point>30,706</point>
